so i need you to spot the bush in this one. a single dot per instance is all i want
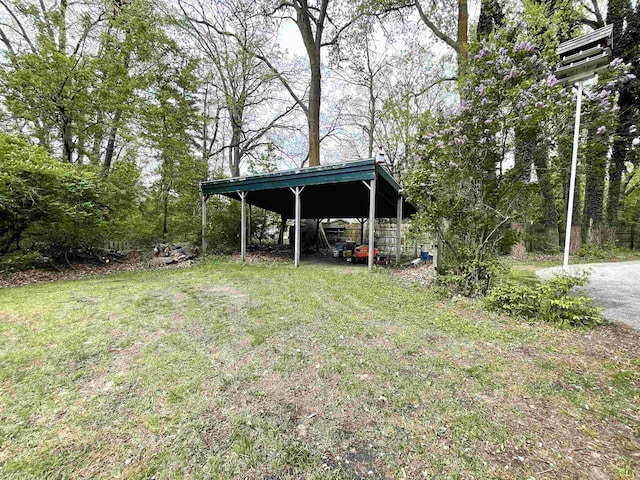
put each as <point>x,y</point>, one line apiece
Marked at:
<point>22,260</point>
<point>549,302</point>
<point>52,201</point>
<point>468,276</point>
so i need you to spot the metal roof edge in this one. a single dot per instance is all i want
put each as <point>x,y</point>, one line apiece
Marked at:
<point>290,171</point>
<point>291,177</point>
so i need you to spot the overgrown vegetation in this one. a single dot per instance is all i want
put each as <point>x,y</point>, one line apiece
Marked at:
<point>552,301</point>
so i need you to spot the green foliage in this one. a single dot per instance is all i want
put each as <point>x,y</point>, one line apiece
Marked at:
<point>22,260</point>
<point>631,210</point>
<point>223,224</point>
<point>470,276</point>
<point>58,201</point>
<point>462,183</point>
<point>549,302</point>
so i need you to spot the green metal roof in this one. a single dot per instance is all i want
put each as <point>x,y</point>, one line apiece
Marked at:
<point>330,190</point>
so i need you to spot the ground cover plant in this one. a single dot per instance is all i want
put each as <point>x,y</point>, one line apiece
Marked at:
<point>226,370</point>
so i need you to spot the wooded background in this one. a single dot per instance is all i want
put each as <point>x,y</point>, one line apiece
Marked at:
<point>114,110</point>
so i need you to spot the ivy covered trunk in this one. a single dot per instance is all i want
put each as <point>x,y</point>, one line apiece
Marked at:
<point>595,163</point>
<point>550,211</point>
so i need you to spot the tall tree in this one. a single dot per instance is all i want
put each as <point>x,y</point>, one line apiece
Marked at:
<point>320,24</point>
<point>168,121</point>
<point>51,70</point>
<point>244,81</point>
<point>625,46</point>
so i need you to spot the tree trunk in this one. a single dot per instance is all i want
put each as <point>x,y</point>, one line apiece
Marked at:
<point>65,135</point>
<point>618,156</point>
<point>596,160</point>
<point>550,212</point>
<point>463,35</point>
<point>165,213</point>
<point>314,111</point>
<point>234,154</point>
<point>111,144</point>
<point>62,28</point>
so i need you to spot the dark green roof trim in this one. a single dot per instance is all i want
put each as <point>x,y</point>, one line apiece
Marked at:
<point>299,177</point>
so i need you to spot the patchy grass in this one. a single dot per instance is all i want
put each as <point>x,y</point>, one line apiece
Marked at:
<point>262,371</point>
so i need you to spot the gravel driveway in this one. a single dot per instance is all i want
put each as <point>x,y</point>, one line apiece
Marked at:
<point>615,286</point>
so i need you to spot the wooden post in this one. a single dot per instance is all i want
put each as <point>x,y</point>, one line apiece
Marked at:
<point>399,229</point>
<point>297,191</point>
<point>243,226</point>
<point>372,218</point>
<point>204,224</point>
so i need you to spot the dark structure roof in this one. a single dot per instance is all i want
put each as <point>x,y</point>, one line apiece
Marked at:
<point>330,191</point>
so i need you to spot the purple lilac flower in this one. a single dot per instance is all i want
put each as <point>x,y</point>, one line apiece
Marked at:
<point>484,101</point>
<point>440,144</point>
<point>511,74</point>
<point>503,51</point>
<point>601,130</point>
<point>464,105</point>
<point>524,46</point>
<point>553,81</point>
<point>458,141</point>
<point>482,53</point>
<point>488,121</point>
<point>615,62</point>
<point>480,89</point>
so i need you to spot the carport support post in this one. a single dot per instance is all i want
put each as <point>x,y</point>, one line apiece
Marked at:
<point>372,217</point>
<point>399,229</point>
<point>297,192</point>
<point>204,224</point>
<point>243,226</point>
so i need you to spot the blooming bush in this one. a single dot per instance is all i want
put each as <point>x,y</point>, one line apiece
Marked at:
<point>471,180</point>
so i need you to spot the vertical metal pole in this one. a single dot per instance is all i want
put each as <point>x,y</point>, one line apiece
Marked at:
<point>399,230</point>
<point>372,219</point>
<point>243,226</point>
<point>204,224</point>
<point>297,192</point>
<point>249,225</point>
<point>572,181</point>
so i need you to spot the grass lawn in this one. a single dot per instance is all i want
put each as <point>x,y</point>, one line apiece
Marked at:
<point>262,371</point>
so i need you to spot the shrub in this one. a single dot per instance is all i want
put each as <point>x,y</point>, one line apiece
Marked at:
<point>550,302</point>
<point>22,260</point>
<point>40,196</point>
<point>469,276</point>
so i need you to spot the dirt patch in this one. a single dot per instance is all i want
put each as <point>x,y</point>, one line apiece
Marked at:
<point>423,274</point>
<point>78,271</point>
<point>101,382</point>
<point>554,434</point>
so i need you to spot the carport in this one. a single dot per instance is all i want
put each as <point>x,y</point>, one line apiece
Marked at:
<point>360,189</point>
